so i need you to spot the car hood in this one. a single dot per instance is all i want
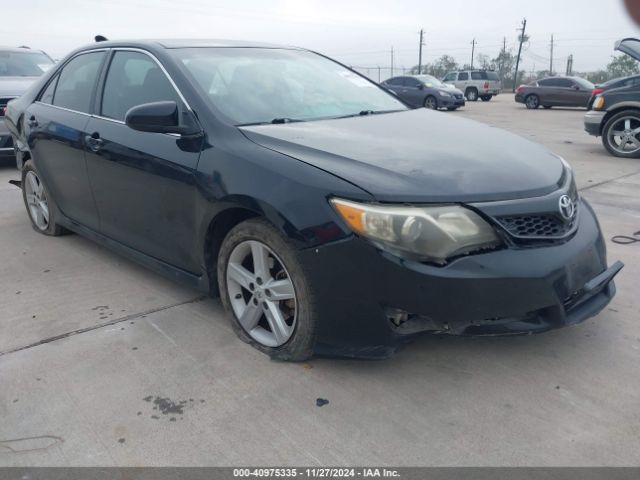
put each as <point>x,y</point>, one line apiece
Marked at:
<point>630,46</point>
<point>419,156</point>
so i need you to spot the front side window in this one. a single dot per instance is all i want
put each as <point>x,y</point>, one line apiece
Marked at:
<point>564,83</point>
<point>23,64</point>
<point>77,81</point>
<point>260,85</point>
<point>463,76</point>
<point>412,82</point>
<point>134,78</point>
<point>47,95</point>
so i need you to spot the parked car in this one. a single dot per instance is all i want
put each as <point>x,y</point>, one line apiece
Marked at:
<point>425,91</point>
<point>483,84</point>
<point>615,114</point>
<point>329,216</point>
<point>622,82</point>
<point>19,67</point>
<point>555,92</point>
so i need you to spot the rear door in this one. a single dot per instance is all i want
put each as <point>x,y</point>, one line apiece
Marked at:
<point>56,124</point>
<point>144,183</point>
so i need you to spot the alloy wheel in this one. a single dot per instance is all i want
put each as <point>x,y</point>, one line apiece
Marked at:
<point>532,101</point>
<point>37,200</point>
<point>261,293</point>
<point>623,135</point>
<point>430,103</point>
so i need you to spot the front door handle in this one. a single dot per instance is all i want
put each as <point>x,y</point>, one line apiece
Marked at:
<point>94,141</point>
<point>32,122</point>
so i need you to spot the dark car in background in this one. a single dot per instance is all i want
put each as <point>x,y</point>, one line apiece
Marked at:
<point>19,68</point>
<point>615,113</point>
<point>622,82</point>
<point>555,92</point>
<point>328,216</point>
<point>425,91</point>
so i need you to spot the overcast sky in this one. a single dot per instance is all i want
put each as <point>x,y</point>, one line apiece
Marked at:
<point>357,32</point>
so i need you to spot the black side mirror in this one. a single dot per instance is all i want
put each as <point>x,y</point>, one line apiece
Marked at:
<point>157,117</point>
<point>421,87</point>
<point>576,87</point>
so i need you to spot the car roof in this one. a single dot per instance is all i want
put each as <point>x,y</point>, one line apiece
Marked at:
<point>19,50</point>
<point>184,43</point>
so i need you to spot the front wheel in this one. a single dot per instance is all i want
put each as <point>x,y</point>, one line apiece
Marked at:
<point>620,134</point>
<point>40,206</point>
<point>431,103</point>
<point>266,291</point>
<point>486,98</point>
<point>532,102</point>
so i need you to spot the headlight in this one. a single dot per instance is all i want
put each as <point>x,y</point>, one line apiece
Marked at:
<point>598,103</point>
<point>423,233</point>
<point>444,94</point>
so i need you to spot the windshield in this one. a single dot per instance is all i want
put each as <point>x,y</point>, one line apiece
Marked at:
<point>265,85</point>
<point>23,64</point>
<point>430,81</point>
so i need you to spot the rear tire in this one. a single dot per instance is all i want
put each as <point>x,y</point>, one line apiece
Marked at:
<point>486,98</point>
<point>471,94</point>
<point>40,206</point>
<point>532,101</point>
<point>297,314</point>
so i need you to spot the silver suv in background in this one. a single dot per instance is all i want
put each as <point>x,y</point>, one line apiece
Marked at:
<point>483,84</point>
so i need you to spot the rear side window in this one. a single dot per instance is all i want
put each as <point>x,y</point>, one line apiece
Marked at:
<point>478,75</point>
<point>134,78</point>
<point>463,76</point>
<point>396,82</point>
<point>76,82</point>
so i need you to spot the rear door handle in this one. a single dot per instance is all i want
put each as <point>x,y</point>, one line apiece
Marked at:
<point>94,141</point>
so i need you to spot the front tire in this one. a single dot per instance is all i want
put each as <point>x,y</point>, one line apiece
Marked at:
<point>620,134</point>
<point>532,101</point>
<point>41,208</point>
<point>431,102</point>
<point>266,291</point>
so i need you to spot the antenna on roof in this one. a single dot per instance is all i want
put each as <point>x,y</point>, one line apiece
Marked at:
<point>24,46</point>
<point>100,38</point>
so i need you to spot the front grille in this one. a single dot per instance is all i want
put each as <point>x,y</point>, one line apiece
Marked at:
<point>541,226</point>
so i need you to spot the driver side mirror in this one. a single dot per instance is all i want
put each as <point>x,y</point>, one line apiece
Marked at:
<point>421,87</point>
<point>576,87</point>
<point>157,117</point>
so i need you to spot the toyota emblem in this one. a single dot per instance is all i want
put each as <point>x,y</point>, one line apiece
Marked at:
<point>567,207</point>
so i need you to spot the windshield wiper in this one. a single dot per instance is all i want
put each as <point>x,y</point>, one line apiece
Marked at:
<point>364,113</point>
<point>275,121</point>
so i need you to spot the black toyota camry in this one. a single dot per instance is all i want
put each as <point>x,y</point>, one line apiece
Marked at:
<point>328,216</point>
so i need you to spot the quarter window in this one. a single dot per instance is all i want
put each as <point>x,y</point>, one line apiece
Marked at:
<point>47,95</point>
<point>76,82</point>
<point>134,78</point>
<point>478,76</point>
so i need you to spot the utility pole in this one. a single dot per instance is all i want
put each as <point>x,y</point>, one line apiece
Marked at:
<point>503,54</point>
<point>392,61</point>
<point>515,78</point>
<point>551,58</point>
<point>473,48</point>
<point>569,65</point>
<point>420,52</point>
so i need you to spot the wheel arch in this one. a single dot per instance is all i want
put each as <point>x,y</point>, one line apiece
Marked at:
<point>619,108</point>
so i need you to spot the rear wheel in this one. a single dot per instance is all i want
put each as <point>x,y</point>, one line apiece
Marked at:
<point>431,103</point>
<point>40,206</point>
<point>620,134</point>
<point>486,98</point>
<point>266,291</point>
<point>471,94</point>
<point>532,101</point>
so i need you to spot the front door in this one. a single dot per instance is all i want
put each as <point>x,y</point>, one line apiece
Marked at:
<point>144,183</point>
